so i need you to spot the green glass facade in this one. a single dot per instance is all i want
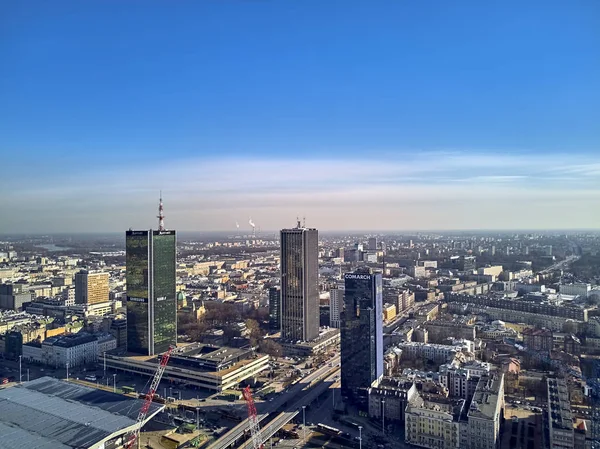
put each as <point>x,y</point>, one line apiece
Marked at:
<point>165,299</point>
<point>151,300</point>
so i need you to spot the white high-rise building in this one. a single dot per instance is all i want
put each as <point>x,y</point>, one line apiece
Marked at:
<point>336,302</point>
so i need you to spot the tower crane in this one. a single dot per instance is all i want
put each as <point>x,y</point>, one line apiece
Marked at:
<point>134,434</point>
<point>252,419</point>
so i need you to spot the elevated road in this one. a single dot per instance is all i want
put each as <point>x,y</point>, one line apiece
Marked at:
<point>286,416</point>
<point>272,428</point>
<point>230,438</point>
<point>560,265</point>
<point>292,400</point>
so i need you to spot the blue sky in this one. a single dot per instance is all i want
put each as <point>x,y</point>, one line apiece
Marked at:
<point>357,114</point>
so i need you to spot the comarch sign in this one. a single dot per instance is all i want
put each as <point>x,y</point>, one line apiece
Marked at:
<point>362,277</point>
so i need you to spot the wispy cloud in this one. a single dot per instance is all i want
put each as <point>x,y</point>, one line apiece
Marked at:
<point>207,193</point>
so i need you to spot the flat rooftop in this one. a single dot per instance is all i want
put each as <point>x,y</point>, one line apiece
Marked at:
<point>48,413</point>
<point>559,406</point>
<point>487,395</point>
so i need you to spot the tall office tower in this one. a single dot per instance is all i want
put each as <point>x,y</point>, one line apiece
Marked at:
<point>299,279</point>
<point>275,309</point>
<point>91,287</point>
<point>361,333</point>
<point>336,304</point>
<point>372,243</point>
<point>151,299</point>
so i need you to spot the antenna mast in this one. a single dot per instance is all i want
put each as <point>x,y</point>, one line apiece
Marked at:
<point>161,216</point>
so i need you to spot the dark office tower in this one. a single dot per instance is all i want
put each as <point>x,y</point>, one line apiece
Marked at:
<point>372,243</point>
<point>299,279</point>
<point>151,300</point>
<point>275,309</point>
<point>361,333</point>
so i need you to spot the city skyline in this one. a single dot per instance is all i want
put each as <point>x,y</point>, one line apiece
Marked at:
<point>465,116</point>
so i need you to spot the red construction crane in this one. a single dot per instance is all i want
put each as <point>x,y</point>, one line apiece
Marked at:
<point>252,419</point>
<point>132,437</point>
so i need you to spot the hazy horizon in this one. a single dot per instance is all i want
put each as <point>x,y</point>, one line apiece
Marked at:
<point>330,232</point>
<point>355,115</point>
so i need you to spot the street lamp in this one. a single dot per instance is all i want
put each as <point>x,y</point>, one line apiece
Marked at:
<point>67,371</point>
<point>104,353</point>
<point>383,415</point>
<point>20,375</point>
<point>360,437</point>
<point>27,374</point>
<point>114,382</point>
<point>304,422</point>
<point>197,418</point>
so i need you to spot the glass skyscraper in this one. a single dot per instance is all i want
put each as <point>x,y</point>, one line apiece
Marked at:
<point>151,299</point>
<point>361,333</point>
<point>299,284</point>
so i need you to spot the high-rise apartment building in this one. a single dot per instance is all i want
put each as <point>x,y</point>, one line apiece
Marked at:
<point>336,304</point>
<point>361,333</point>
<point>151,299</point>
<point>91,287</point>
<point>275,309</point>
<point>299,284</point>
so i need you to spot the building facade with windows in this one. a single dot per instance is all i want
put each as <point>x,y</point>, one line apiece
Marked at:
<point>151,291</point>
<point>69,349</point>
<point>485,412</point>
<point>361,334</point>
<point>336,304</point>
<point>560,418</point>
<point>299,284</point>
<point>91,287</point>
<point>434,422</point>
<point>275,309</point>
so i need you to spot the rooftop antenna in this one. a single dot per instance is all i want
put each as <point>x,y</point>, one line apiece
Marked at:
<point>298,221</point>
<point>161,216</point>
<point>303,222</point>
